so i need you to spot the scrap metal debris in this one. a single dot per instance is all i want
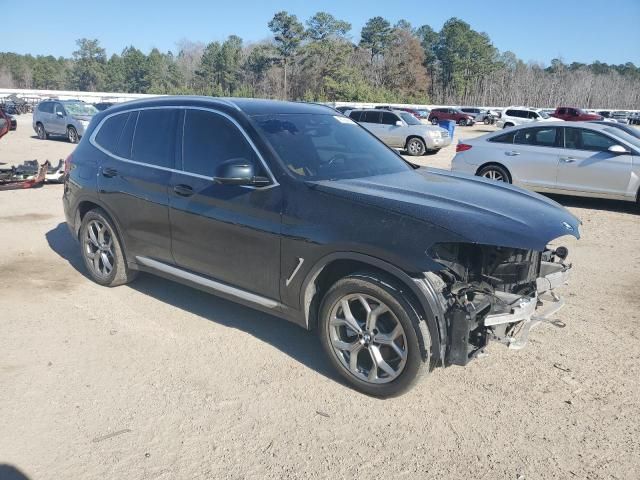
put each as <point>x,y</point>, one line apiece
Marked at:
<point>30,174</point>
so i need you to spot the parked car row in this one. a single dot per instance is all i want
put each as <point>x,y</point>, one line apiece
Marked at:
<point>400,129</point>
<point>513,116</point>
<point>594,159</point>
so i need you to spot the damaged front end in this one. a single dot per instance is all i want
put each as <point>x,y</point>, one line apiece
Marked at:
<point>493,293</point>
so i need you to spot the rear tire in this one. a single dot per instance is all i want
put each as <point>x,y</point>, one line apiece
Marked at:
<point>392,347</point>
<point>495,172</point>
<point>41,132</point>
<point>416,147</point>
<point>102,250</point>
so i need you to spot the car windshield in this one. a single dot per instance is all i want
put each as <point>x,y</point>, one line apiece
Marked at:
<point>543,114</point>
<point>410,119</point>
<point>327,147</point>
<point>79,108</point>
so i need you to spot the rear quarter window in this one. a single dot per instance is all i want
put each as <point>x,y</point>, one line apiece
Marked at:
<point>110,131</point>
<point>504,138</point>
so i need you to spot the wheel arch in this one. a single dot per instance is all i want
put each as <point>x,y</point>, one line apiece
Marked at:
<point>497,164</point>
<point>337,265</point>
<point>419,137</point>
<point>85,205</point>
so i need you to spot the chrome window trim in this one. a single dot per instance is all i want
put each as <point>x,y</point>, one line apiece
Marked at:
<point>92,141</point>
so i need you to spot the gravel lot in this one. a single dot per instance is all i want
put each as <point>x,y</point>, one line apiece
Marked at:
<point>158,381</point>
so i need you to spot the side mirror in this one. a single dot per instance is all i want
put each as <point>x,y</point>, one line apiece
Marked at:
<point>398,123</point>
<point>239,171</point>
<point>59,114</point>
<point>617,149</point>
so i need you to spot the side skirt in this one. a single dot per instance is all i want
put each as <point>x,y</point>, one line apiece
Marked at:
<point>220,289</point>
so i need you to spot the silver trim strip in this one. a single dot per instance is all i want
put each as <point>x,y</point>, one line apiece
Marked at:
<point>295,270</point>
<point>206,282</point>
<point>92,141</point>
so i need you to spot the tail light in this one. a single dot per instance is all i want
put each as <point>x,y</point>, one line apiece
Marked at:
<point>462,147</point>
<point>67,165</point>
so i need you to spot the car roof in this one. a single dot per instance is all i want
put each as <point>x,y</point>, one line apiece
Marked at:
<point>249,106</point>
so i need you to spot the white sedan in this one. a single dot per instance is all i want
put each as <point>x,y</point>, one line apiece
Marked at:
<point>577,158</point>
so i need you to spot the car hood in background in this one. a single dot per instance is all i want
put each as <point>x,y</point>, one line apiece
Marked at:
<point>482,211</point>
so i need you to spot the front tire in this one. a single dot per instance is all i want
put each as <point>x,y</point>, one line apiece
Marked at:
<point>416,147</point>
<point>102,251</point>
<point>373,336</point>
<point>72,135</point>
<point>434,121</point>
<point>495,172</point>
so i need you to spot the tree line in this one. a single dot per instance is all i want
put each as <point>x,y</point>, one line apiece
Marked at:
<point>318,61</point>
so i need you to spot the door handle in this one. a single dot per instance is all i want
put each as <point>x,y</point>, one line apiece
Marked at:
<point>109,172</point>
<point>568,159</point>
<point>512,153</point>
<point>183,190</point>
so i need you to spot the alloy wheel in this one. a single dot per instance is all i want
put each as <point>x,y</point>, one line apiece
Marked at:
<point>367,338</point>
<point>494,175</point>
<point>414,147</point>
<point>99,248</point>
<point>73,135</point>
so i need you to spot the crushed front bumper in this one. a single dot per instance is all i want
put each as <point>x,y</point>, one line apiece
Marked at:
<point>472,326</point>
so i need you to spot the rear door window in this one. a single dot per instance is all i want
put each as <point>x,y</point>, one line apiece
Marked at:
<point>46,107</point>
<point>370,116</point>
<point>155,137</point>
<point>541,136</point>
<point>210,139</point>
<point>355,116</point>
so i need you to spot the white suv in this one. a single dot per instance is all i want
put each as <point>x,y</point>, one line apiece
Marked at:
<point>513,116</point>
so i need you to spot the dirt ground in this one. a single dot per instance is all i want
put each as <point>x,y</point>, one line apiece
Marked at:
<point>158,381</point>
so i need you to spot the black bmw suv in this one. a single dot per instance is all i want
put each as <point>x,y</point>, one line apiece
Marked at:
<point>297,211</point>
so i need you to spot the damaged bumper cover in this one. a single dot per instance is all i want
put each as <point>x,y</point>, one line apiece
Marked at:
<point>534,310</point>
<point>474,313</point>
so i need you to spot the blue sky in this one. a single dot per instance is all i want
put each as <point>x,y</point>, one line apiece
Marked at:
<point>537,30</point>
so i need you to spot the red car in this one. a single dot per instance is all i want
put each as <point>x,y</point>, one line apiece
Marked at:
<point>447,113</point>
<point>572,114</point>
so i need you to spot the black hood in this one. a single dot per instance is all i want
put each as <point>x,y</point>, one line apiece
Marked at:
<point>480,210</point>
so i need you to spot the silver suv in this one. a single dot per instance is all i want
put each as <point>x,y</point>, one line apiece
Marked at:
<point>62,117</point>
<point>400,129</point>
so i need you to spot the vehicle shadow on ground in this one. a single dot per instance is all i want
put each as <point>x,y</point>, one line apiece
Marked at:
<point>617,206</point>
<point>54,138</point>
<point>299,344</point>
<point>9,472</point>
